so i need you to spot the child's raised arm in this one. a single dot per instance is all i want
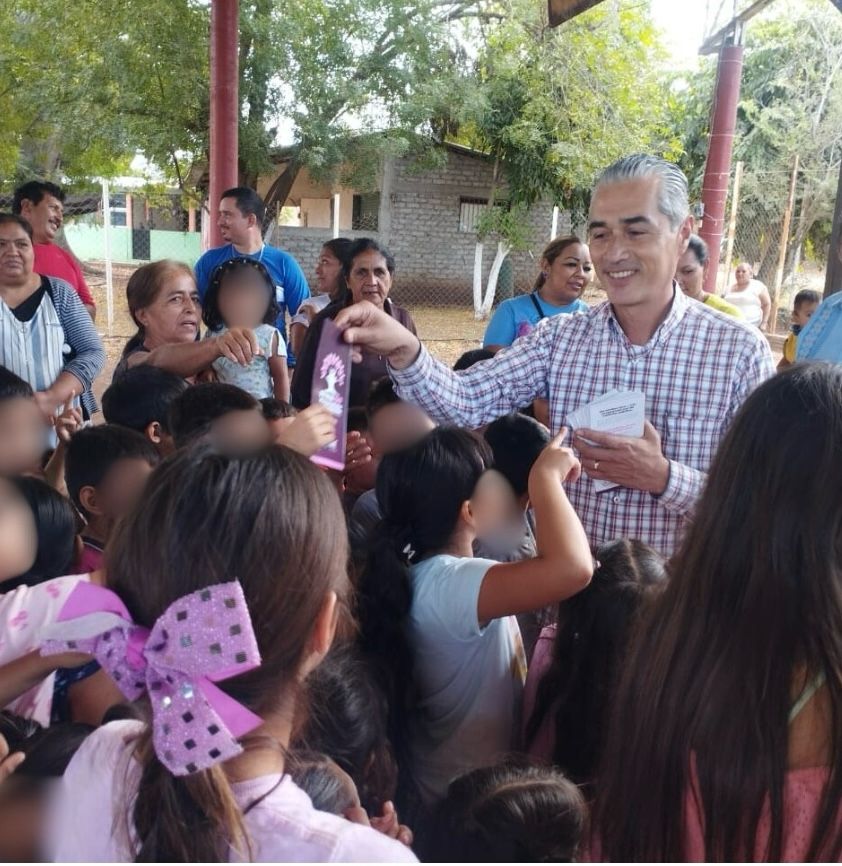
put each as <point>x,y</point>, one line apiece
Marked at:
<point>66,424</point>
<point>564,564</point>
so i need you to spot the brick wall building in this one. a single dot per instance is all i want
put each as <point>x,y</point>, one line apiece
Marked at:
<point>426,219</point>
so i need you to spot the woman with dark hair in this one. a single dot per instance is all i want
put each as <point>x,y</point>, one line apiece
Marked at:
<point>576,661</point>
<point>690,275</point>
<point>331,285</point>
<point>368,270</point>
<point>164,303</point>
<point>566,270</point>
<point>46,335</point>
<point>725,740</point>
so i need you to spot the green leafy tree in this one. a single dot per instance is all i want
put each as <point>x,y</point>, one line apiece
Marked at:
<point>790,103</point>
<point>556,105</point>
<point>87,84</point>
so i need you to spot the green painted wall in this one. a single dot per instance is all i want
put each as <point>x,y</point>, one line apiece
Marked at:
<point>88,242</point>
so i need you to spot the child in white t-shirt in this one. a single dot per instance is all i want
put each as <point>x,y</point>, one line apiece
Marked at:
<point>242,295</point>
<point>441,622</point>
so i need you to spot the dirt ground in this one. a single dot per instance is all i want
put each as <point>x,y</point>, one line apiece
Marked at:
<point>447,331</point>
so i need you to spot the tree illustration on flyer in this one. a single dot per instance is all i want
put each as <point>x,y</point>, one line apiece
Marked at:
<point>330,388</point>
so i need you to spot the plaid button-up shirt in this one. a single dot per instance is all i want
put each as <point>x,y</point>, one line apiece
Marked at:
<point>696,370</point>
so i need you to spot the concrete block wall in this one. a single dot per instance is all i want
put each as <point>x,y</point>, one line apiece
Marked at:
<point>419,223</point>
<point>436,259</point>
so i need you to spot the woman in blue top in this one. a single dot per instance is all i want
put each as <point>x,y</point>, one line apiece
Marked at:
<point>566,270</point>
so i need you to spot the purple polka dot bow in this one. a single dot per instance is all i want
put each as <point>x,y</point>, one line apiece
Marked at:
<point>201,638</point>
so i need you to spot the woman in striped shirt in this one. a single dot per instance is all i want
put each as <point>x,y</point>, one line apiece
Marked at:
<point>46,335</point>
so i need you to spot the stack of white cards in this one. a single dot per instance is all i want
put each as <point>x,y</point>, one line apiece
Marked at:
<point>620,413</point>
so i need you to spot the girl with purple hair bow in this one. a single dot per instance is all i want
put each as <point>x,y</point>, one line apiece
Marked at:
<point>219,604</point>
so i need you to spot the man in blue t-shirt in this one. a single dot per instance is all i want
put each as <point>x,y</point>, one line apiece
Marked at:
<point>241,213</point>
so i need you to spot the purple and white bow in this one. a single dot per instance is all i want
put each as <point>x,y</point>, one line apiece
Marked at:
<point>202,638</point>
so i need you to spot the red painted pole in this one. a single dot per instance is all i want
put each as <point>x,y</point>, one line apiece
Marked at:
<point>718,167</point>
<point>224,104</point>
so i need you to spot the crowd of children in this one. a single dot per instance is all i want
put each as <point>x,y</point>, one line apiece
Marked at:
<point>211,649</point>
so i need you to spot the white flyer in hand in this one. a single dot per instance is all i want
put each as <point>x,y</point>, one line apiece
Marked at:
<point>620,413</point>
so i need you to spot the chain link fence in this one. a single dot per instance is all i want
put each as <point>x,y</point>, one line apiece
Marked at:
<point>113,231</point>
<point>755,235</point>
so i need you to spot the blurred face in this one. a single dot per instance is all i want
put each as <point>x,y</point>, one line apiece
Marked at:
<point>119,491</point>
<point>234,226</point>
<point>567,275</point>
<point>16,255</point>
<point>45,217</point>
<point>397,426</point>
<point>173,317</point>
<point>803,313</point>
<point>370,279</point>
<point>243,299</point>
<point>22,815</point>
<point>743,275</point>
<point>328,272</point>
<point>23,436</point>
<point>495,508</point>
<point>18,533</point>
<point>634,249</point>
<point>690,275</point>
<point>243,429</point>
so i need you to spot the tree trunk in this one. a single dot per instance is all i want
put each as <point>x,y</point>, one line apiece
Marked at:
<point>281,187</point>
<point>478,280</point>
<point>503,250</point>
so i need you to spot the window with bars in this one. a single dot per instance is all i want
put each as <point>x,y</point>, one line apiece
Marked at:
<point>470,211</point>
<point>117,205</point>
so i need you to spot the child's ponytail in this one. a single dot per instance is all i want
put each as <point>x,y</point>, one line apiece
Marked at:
<point>384,599</point>
<point>185,819</point>
<point>186,537</point>
<point>420,492</point>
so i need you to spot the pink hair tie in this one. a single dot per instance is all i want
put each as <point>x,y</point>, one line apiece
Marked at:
<point>201,638</point>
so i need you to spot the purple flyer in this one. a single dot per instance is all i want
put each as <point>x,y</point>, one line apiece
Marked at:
<point>331,388</point>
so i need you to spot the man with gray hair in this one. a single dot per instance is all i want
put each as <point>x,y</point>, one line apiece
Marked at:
<point>694,365</point>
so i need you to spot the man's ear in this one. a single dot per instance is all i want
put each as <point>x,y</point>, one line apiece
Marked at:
<point>684,232</point>
<point>89,501</point>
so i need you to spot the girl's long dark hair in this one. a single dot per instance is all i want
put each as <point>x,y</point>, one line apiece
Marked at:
<point>590,644</point>
<point>755,598</point>
<point>208,518</point>
<point>420,491</point>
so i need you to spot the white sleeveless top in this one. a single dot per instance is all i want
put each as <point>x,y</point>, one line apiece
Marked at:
<point>748,302</point>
